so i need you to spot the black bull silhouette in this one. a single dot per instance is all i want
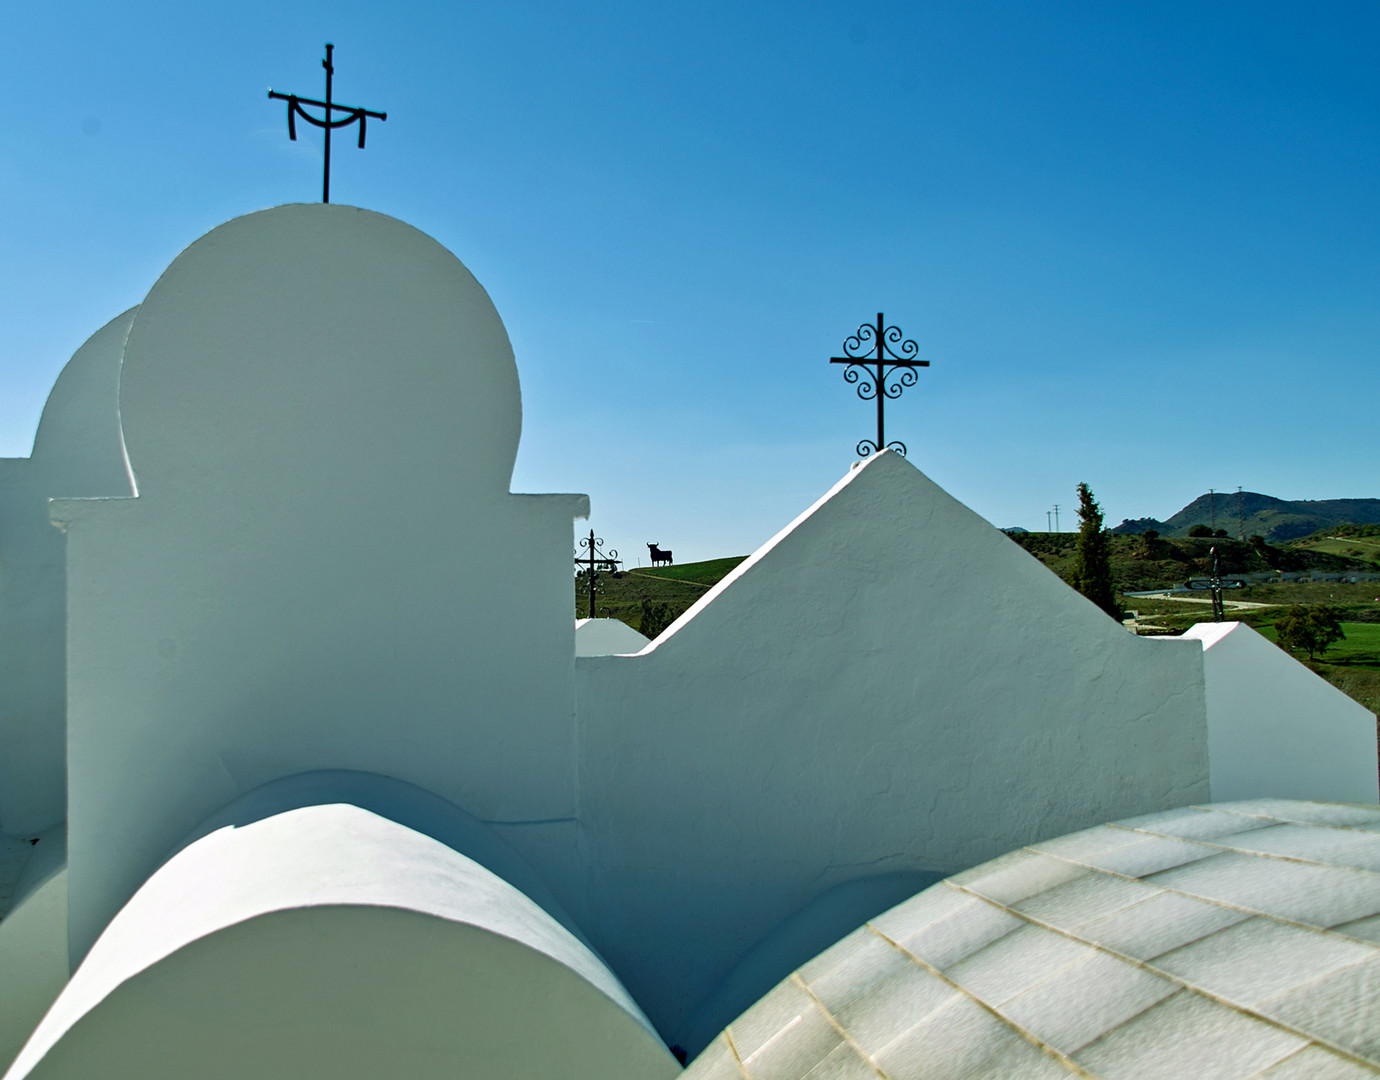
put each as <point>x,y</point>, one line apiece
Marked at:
<point>659,556</point>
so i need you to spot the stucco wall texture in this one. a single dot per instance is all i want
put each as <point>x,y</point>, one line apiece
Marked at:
<point>888,685</point>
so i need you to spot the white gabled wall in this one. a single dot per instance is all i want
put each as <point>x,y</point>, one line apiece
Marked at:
<point>1277,730</point>
<point>890,684</point>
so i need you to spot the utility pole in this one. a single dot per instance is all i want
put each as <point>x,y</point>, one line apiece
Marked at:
<point>1240,514</point>
<point>1056,517</point>
<point>1049,528</point>
<point>1212,509</point>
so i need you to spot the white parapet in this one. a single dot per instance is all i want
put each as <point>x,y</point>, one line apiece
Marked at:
<point>1275,729</point>
<point>331,941</point>
<point>607,637</point>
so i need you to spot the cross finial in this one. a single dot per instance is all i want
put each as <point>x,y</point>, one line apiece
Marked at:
<point>328,122</point>
<point>871,368</point>
<point>593,561</point>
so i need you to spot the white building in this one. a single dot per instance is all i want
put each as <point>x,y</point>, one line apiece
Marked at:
<point>332,799</point>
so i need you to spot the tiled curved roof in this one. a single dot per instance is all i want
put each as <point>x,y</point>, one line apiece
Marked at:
<point>1234,941</point>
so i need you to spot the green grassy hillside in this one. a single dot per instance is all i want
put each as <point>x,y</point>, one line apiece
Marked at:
<point>1351,547</point>
<point>1138,564</point>
<point>706,573</point>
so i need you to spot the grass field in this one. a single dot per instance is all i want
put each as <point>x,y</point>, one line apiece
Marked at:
<point>1361,646</point>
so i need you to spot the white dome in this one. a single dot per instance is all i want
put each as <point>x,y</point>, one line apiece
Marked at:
<point>1237,940</point>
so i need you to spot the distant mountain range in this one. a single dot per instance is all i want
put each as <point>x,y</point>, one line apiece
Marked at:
<point>1249,513</point>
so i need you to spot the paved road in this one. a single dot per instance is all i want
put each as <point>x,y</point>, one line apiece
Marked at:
<point>1239,605</point>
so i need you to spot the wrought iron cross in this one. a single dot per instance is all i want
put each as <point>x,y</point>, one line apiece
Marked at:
<point>1214,584</point>
<point>593,561</point>
<point>294,110</point>
<point>871,367</point>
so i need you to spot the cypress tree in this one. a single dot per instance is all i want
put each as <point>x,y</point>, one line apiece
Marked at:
<point>1092,564</point>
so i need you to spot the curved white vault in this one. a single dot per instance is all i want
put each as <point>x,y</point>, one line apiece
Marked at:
<point>328,940</point>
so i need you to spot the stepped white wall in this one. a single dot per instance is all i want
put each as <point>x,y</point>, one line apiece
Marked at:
<point>889,685</point>
<point>1277,730</point>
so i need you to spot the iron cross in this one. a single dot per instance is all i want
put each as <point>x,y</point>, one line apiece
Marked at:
<point>593,561</point>
<point>870,368</point>
<point>294,107</point>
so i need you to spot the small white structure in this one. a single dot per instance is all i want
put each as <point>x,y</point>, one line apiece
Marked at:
<point>1275,729</point>
<point>77,453</point>
<point>321,412</point>
<point>607,637</point>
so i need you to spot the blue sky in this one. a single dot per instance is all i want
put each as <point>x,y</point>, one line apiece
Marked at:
<point>1137,242</point>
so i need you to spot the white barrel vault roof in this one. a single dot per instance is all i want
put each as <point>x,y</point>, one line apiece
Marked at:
<point>328,940</point>
<point>1236,941</point>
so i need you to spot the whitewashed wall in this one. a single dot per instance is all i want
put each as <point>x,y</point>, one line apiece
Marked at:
<point>33,943</point>
<point>889,685</point>
<point>1275,729</point>
<point>321,412</point>
<point>77,452</point>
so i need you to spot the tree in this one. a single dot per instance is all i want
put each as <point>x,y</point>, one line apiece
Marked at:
<point>1199,531</point>
<point>1092,562</point>
<point>656,617</point>
<point>1313,629</point>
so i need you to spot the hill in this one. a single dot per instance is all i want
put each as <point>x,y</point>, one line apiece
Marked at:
<point>649,599</point>
<point>1139,564</point>
<point>1277,520</point>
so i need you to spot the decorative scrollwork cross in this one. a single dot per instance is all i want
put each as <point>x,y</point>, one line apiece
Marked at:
<point>328,122</point>
<point>881,362</point>
<point>593,561</point>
